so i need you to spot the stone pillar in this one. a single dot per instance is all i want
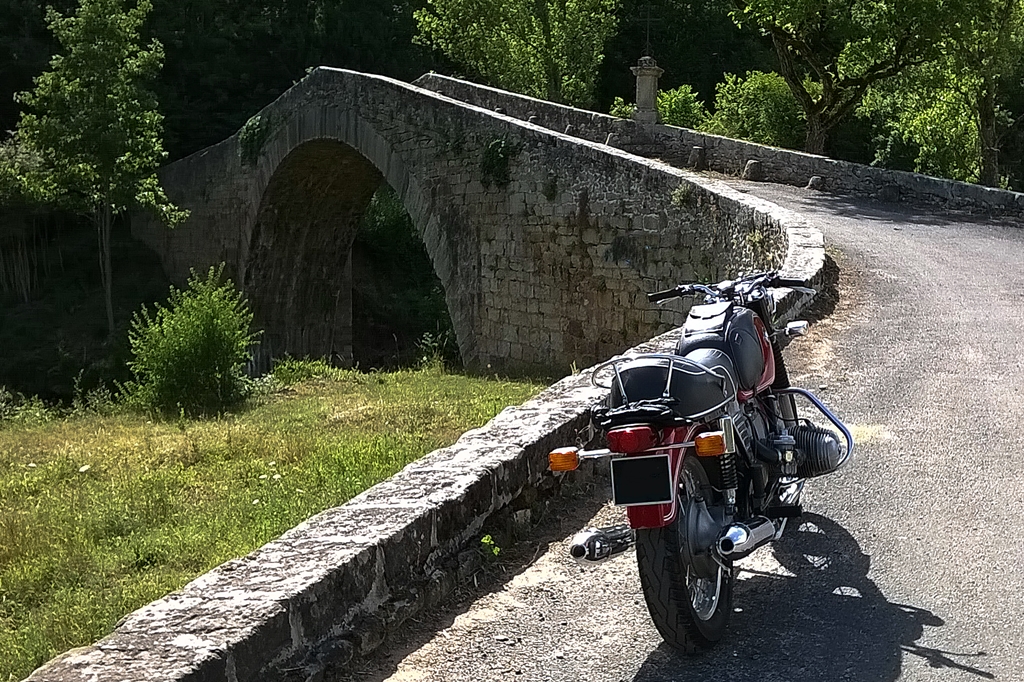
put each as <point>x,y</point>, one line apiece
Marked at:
<point>647,72</point>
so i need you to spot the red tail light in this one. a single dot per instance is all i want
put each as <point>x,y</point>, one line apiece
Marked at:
<point>632,439</point>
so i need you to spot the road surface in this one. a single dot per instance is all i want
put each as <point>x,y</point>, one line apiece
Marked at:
<point>907,564</point>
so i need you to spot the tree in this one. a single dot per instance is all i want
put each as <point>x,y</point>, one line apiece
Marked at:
<point>953,110</point>
<point>831,51</point>
<point>759,108</point>
<point>549,49</point>
<point>95,125</point>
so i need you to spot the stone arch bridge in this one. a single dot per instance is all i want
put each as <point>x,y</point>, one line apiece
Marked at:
<point>545,242</point>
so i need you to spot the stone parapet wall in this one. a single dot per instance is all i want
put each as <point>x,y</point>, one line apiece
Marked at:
<point>726,155</point>
<point>338,584</point>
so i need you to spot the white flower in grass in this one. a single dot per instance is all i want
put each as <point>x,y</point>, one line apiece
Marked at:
<point>277,477</point>
<point>256,501</point>
<point>85,467</point>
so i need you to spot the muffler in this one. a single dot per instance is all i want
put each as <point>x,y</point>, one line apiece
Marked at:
<point>740,539</point>
<point>594,545</point>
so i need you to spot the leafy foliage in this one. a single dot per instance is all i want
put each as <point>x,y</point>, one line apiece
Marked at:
<point>396,295</point>
<point>622,108</point>
<point>680,107</point>
<point>758,107</point>
<point>189,355</point>
<point>494,166</point>
<point>954,110</point>
<point>695,41</point>
<point>830,52</point>
<point>94,124</point>
<point>549,49</point>
<point>253,135</point>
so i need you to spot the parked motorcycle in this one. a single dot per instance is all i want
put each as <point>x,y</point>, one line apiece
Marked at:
<point>708,454</point>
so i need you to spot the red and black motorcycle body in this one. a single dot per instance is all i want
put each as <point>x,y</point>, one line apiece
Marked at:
<point>717,335</point>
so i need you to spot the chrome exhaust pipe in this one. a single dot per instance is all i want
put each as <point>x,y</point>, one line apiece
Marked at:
<point>594,545</point>
<point>740,539</point>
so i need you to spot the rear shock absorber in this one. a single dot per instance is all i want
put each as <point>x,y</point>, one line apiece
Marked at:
<point>727,464</point>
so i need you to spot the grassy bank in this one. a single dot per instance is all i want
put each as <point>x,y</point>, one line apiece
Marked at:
<point>102,514</point>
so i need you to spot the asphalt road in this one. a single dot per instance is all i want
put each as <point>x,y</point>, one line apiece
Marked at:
<point>907,564</point>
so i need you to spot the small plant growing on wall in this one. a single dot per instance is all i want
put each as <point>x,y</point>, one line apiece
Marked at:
<point>494,166</point>
<point>253,135</point>
<point>683,195</point>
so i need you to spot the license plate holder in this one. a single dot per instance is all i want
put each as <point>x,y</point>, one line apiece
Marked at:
<point>641,480</point>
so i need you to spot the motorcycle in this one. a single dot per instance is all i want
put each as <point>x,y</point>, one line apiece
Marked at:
<point>708,454</point>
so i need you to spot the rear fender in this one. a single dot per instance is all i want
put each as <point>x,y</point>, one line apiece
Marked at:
<point>660,515</point>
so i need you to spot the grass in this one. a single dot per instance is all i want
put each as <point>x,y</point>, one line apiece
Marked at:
<point>101,514</point>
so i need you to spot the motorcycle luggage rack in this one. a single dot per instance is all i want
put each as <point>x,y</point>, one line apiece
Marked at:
<point>689,367</point>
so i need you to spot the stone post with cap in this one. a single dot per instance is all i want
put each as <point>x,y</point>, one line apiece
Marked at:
<point>647,73</point>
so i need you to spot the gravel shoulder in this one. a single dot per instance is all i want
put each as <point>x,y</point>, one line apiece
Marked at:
<point>906,565</point>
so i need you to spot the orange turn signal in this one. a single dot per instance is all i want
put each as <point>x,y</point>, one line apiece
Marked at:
<point>710,444</point>
<point>564,459</point>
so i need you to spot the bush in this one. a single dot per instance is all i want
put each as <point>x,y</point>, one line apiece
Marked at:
<point>189,355</point>
<point>622,108</point>
<point>760,108</point>
<point>680,107</point>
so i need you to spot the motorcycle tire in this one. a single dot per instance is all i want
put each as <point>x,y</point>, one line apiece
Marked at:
<point>687,620</point>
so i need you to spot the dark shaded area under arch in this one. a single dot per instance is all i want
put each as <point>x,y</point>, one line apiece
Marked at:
<point>307,272</point>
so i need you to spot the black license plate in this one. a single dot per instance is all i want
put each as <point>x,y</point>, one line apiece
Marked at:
<point>641,480</point>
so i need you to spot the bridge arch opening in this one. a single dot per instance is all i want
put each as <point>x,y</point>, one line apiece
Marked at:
<point>305,258</point>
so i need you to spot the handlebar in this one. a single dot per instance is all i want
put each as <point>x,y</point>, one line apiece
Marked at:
<point>681,290</point>
<point>728,289</point>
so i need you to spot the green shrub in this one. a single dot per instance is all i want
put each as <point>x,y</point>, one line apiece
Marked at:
<point>622,109</point>
<point>760,108</point>
<point>680,107</point>
<point>189,355</point>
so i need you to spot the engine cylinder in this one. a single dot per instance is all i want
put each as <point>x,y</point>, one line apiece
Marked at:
<point>821,448</point>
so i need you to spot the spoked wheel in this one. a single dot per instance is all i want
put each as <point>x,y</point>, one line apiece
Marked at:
<point>688,590</point>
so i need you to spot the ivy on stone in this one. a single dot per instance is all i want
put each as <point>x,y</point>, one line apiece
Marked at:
<point>253,136</point>
<point>494,166</point>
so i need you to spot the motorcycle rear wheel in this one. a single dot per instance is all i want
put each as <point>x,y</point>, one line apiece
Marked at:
<point>690,612</point>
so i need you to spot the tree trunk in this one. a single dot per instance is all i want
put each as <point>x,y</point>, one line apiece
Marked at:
<point>817,135</point>
<point>988,137</point>
<point>104,223</point>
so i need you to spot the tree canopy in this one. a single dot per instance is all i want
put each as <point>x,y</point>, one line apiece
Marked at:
<point>830,52</point>
<point>549,49</point>
<point>956,110</point>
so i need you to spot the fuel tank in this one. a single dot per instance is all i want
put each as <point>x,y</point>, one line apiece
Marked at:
<point>732,330</point>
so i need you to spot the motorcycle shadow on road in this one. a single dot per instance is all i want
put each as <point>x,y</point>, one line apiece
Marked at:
<point>810,614</point>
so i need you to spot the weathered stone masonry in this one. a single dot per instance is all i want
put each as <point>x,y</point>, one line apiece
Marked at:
<point>725,155</point>
<point>545,243</point>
